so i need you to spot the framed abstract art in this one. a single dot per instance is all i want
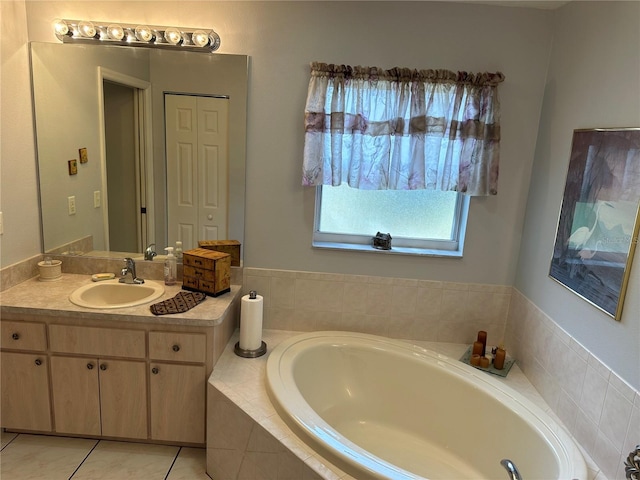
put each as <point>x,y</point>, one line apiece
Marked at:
<point>598,224</point>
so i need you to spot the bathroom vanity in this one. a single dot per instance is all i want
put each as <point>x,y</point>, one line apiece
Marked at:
<point>120,374</point>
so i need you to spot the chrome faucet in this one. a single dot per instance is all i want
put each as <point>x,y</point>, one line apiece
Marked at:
<point>130,268</point>
<point>149,253</point>
<point>511,469</point>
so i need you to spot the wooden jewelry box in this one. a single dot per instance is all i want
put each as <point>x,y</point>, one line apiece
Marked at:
<point>206,271</point>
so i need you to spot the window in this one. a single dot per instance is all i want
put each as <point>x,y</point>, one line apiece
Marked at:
<point>412,146</point>
<point>422,222</point>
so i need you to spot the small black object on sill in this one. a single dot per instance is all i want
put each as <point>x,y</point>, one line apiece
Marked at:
<point>382,241</point>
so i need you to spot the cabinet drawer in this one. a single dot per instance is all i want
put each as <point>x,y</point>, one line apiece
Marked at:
<point>198,262</point>
<point>97,341</point>
<point>199,273</point>
<point>178,347</point>
<point>24,336</point>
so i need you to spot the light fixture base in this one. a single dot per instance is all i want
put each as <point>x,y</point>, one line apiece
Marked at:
<point>132,35</point>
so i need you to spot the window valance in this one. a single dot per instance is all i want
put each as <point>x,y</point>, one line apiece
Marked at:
<point>402,129</point>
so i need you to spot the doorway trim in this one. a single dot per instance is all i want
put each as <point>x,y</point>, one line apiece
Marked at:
<point>144,155</point>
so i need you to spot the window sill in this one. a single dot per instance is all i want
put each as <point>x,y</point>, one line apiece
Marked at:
<point>394,250</point>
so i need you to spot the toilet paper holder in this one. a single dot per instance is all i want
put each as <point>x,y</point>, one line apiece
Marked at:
<point>258,352</point>
<point>262,349</point>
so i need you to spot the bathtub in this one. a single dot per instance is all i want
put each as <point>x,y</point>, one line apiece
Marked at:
<point>385,409</point>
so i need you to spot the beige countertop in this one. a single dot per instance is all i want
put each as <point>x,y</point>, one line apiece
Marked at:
<point>36,297</point>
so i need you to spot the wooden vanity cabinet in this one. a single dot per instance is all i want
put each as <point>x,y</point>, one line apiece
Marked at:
<point>177,386</point>
<point>141,381</point>
<point>103,395</point>
<point>25,375</point>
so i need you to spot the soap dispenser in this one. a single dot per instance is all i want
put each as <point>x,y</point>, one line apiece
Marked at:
<point>179,251</point>
<point>170,267</point>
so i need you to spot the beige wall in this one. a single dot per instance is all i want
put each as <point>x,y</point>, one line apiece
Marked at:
<point>18,184</point>
<point>593,81</point>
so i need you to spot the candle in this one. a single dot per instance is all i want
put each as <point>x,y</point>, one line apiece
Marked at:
<point>477,348</point>
<point>482,337</point>
<point>475,359</point>
<point>484,362</point>
<point>498,359</point>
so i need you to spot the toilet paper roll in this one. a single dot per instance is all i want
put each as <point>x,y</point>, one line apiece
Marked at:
<point>251,322</point>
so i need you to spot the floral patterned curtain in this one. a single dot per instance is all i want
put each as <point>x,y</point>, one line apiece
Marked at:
<point>402,129</point>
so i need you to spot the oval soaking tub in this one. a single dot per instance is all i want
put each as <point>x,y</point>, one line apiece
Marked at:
<point>385,409</point>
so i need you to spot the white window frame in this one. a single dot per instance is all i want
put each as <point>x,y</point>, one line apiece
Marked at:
<point>399,245</point>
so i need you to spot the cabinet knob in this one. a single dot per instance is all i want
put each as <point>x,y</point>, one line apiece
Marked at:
<point>155,370</point>
<point>176,348</point>
<point>90,366</point>
<point>103,366</point>
<point>38,362</point>
<point>16,336</point>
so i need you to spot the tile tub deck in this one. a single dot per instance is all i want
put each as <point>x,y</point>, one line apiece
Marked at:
<point>246,436</point>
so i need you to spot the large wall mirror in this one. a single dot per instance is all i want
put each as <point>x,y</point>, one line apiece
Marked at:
<point>113,178</point>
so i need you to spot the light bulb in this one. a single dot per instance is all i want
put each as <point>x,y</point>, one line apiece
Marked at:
<point>173,36</point>
<point>144,33</point>
<point>87,29</point>
<point>61,27</point>
<point>115,31</point>
<point>200,38</point>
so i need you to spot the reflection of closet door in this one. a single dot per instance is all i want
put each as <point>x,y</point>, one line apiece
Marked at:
<point>197,168</point>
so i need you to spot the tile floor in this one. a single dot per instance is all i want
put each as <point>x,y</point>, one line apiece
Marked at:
<point>41,457</point>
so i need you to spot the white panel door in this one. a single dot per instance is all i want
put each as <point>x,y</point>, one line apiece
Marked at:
<point>213,168</point>
<point>197,168</point>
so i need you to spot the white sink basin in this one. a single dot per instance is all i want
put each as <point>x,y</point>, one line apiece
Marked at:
<point>113,294</point>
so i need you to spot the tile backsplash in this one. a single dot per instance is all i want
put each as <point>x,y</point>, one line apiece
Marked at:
<point>12,275</point>
<point>395,307</point>
<point>597,407</point>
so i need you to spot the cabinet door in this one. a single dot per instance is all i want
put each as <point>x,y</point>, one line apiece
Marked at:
<point>25,392</point>
<point>123,398</point>
<point>177,402</point>
<point>76,401</point>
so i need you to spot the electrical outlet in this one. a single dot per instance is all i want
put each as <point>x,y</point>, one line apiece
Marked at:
<point>96,199</point>
<point>72,204</point>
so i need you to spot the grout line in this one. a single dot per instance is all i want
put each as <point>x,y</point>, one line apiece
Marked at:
<point>173,463</point>
<point>84,459</point>
<point>16,435</point>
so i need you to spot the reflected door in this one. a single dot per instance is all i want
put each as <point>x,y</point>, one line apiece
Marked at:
<point>121,168</point>
<point>197,168</point>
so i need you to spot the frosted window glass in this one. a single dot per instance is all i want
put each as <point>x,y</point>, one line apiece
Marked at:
<point>426,214</point>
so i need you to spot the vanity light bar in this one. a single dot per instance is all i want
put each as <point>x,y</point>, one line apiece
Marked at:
<point>85,31</point>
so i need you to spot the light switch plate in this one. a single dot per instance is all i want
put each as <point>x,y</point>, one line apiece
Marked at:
<point>96,199</point>
<point>72,204</point>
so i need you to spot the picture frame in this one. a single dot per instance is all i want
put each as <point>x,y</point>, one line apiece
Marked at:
<point>83,155</point>
<point>599,218</point>
<point>72,165</point>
